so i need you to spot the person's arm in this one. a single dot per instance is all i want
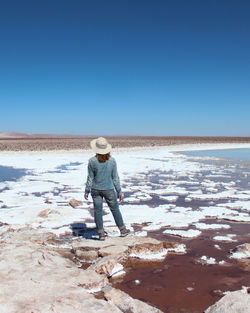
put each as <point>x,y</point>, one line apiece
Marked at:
<point>89,181</point>
<point>116,181</point>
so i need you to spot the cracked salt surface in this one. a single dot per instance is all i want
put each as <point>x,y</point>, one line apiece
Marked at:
<point>243,205</point>
<point>208,260</point>
<point>240,255</point>
<point>211,260</point>
<point>165,190</point>
<point>150,256</point>
<point>117,270</point>
<point>159,255</point>
<point>169,198</point>
<point>191,233</point>
<point>211,226</point>
<point>228,237</point>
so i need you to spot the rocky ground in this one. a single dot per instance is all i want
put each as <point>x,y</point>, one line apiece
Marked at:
<point>36,143</point>
<point>233,302</point>
<point>39,275</point>
<point>43,272</point>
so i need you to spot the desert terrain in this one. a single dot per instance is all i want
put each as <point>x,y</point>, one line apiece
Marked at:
<point>24,142</point>
<point>189,218</point>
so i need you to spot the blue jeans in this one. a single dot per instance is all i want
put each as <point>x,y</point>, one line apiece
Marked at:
<point>111,198</point>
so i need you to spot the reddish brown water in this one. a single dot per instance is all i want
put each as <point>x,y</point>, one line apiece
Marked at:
<point>167,287</point>
<point>181,283</point>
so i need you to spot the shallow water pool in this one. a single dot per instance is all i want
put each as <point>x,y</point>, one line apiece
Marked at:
<point>238,154</point>
<point>8,173</point>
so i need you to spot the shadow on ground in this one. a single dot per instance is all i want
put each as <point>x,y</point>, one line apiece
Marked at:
<point>81,230</point>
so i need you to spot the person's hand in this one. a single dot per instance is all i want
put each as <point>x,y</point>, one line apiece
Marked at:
<point>86,197</point>
<point>121,197</point>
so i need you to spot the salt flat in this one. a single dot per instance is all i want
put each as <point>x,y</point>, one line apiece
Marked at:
<point>167,194</point>
<point>154,180</point>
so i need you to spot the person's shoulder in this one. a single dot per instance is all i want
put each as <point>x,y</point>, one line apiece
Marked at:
<point>93,159</point>
<point>112,159</point>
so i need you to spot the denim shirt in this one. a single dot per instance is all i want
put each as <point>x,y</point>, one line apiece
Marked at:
<point>102,176</point>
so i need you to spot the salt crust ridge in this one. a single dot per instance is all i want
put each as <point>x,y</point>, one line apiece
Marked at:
<point>241,252</point>
<point>233,302</point>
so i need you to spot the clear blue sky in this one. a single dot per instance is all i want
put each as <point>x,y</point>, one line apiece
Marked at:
<point>134,67</point>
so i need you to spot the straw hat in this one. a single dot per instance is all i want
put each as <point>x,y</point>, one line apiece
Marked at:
<point>100,146</point>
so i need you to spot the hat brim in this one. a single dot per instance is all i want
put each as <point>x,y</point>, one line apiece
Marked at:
<point>98,150</point>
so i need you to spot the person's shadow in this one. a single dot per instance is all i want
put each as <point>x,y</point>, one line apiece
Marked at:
<point>81,230</point>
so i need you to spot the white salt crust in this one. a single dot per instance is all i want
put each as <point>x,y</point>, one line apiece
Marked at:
<point>150,256</point>
<point>117,270</point>
<point>208,260</point>
<point>191,233</point>
<point>228,237</point>
<point>211,226</point>
<point>240,255</point>
<point>23,200</point>
<point>159,255</point>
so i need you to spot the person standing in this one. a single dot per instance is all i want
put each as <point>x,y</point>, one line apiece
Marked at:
<point>103,183</point>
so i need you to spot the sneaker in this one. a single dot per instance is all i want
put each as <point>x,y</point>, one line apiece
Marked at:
<point>102,236</point>
<point>125,232</point>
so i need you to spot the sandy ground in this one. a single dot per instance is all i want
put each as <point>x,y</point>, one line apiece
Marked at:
<point>79,143</point>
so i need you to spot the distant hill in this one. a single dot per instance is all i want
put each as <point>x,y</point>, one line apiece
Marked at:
<point>13,135</point>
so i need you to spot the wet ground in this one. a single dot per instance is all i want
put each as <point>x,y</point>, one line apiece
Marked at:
<point>181,283</point>
<point>8,173</point>
<point>186,283</point>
